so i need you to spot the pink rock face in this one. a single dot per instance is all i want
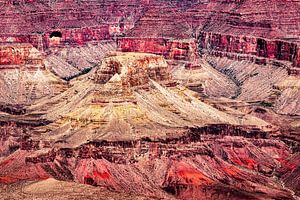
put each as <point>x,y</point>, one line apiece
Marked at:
<point>16,169</point>
<point>297,58</point>
<point>294,71</point>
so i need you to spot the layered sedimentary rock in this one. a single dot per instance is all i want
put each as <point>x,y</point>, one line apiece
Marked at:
<point>28,74</point>
<point>270,83</point>
<point>287,101</point>
<point>226,27</point>
<point>202,78</point>
<point>276,32</point>
<point>78,22</point>
<point>171,49</point>
<point>220,44</point>
<point>76,36</point>
<point>133,69</point>
<point>23,76</point>
<point>20,54</point>
<point>256,83</point>
<point>23,86</point>
<point>199,105</point>
<point>129,127</point>
<point>232,167</point>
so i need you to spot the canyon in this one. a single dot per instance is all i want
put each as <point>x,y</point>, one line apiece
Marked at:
<point>150,99</point>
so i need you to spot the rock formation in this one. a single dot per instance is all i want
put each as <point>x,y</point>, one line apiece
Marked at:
<point>159,99</point>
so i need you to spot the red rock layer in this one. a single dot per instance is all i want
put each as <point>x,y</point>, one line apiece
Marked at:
<point>77,36</point>
<point>273,49</point>
<point>19,54</point>
<point>136,70</point>
<point>171,49</point>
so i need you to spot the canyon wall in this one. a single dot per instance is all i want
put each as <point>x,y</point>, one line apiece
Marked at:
<point>169,48</point>
<point>224,26</point>
<point>77,36</point>
<point>69,37</point>
<point>221,44</point>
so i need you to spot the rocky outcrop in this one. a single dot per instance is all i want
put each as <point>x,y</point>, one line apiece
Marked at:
<point>133,69</point>
<point>19,54</point>
<point>231,26</point>
<point>147,137</point>
<point>202,78</point>
<point>127,128</point>
<point>78,22</point>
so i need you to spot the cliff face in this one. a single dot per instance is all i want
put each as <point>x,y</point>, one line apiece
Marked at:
<point>78,22</point>
<point>225,26</point>
<point>228,26</point>
<point>252,46</point>
<point>77,36</point>
<point>135,69</point>
<point>170,49</point>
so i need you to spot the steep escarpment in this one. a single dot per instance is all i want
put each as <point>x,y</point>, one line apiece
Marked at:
<point>226,27</point>
<point>83,24</point>
<point>223,45</point>
<point>179,32</point>
<point>19,54</point>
